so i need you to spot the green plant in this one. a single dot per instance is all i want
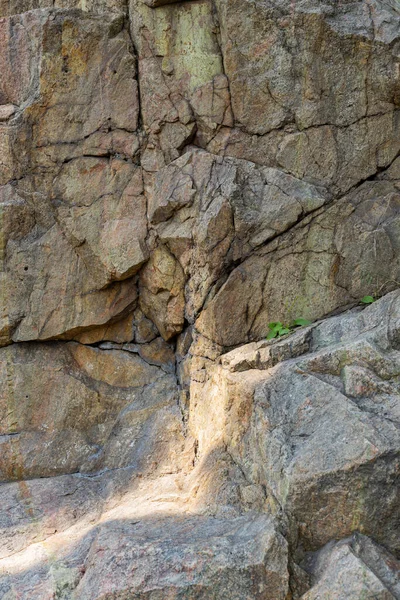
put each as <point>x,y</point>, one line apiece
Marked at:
<point>300,323</point>
<point>367,300</point>
<point>379,291</point>
<point>277,329</point>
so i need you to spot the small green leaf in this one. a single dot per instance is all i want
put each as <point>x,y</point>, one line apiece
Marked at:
<point>273,325</point>
<point>301,322</point>
<point>272,334</point>
<point>368,300</point>
<point>283,331</point>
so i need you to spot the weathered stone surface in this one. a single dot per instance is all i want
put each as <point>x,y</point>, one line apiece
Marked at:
<point>173,177</point>
<point>324,74</point>
<point>214,212</point>
<point>354,568</point>
<point>319,431</point>
<point>175,557</point>
<point>69,408</point>
<point>12,7</point>
<point>328,261</point>
<point>157,352</point>
<point>162,292</point>
<point>80,197</point>
<point>119,331</point>
<point>184,92</point>
<point>36,510</point>
<point>191,558</point>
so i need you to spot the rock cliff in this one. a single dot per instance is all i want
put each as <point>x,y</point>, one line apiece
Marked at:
<point>175,177</point>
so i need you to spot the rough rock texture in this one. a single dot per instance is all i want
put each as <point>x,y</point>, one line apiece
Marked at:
<point>161,557</point>
<point>73,210</point>
<point>175,176</point>
<point>353,568</point>
<point>96,408</point>
<point>314,420</point>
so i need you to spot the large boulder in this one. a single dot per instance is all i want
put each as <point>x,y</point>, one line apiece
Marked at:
<point>313,420</point>
<point>355,568</point>
<point>214,212</point>
<point>327,261</point>
<point>175,557</point>
<point>258,245</point>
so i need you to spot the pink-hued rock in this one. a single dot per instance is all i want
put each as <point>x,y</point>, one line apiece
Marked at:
<point>71,408</point>
<point>80,195</point>
<point>179,181</point>
<point>162,298</point>
<point>354,568</point>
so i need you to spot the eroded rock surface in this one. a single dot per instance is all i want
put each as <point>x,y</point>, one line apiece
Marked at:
<point>73,210</point>
<point>71,408</point>
<point>175,176</point>
<point>354,568</point>
<point>320,430</point>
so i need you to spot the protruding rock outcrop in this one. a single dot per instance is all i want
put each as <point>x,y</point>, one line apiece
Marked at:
<point>304,430</point>
<point>175,176</point>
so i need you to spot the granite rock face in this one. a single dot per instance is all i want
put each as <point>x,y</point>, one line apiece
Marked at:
<point>73,210</point>
<point>354,568</point>
<point>95,409</point>
<point>175,176</point>
<point>314,421</point>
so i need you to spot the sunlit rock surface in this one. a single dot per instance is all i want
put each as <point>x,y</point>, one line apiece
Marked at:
<point>175,176</point>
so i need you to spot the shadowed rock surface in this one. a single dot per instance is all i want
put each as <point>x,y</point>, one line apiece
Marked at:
<point>354,568</point>
<point>174,177</point>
